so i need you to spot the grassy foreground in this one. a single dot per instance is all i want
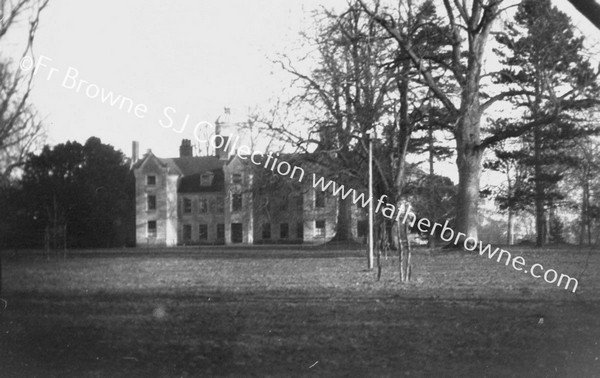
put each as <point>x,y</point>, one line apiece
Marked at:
<point>296,313</point>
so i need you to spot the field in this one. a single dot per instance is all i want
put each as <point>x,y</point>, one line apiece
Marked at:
<point>295,312</point>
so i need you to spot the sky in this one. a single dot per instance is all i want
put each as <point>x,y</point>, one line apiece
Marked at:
<point>188,58</point>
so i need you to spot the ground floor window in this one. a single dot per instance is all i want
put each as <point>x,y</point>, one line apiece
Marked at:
<point>152,229</point>
<point>362,227</point>
<point>203,232</point>
<point>320,228</point>
<point>266,231</point>
<point>300,230</point>
<point>187,232</point>
<point>220,231</point>
<point>284,230</point>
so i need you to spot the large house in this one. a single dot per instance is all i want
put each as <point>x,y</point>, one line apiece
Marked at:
<point>221,199</point>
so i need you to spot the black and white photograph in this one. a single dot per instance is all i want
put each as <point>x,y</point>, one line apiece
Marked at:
<point>302,188</point>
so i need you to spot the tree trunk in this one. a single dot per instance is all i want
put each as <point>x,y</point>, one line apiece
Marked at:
<point>511,215</point>
<point>510,240</point>
<point>539,190</point>
<point>344,220</point>
<point>432,214</point>
<point>468,139</point>
<point>468,160</point>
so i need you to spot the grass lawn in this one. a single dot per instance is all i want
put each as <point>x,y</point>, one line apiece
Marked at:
<point>296,312</point>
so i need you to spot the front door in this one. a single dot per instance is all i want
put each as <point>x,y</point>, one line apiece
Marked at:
<point>237,234</point>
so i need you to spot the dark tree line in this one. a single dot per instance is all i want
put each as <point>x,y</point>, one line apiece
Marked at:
<point>71,195</point>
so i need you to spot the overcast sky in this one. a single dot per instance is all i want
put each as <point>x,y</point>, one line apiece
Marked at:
<point>195,57</point>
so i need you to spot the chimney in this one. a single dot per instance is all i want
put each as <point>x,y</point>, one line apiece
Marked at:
<point>221,152</point>
<point>135,151</point>
<point>185,150</point>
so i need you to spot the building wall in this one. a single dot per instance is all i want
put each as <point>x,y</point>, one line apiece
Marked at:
<point>245,215</point>
<point>195,218</point>
<point>164,215</point>
<point>171,220</point>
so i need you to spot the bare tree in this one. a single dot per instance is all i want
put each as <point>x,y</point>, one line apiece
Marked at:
<point>467,27</point>
<point>19,126</point>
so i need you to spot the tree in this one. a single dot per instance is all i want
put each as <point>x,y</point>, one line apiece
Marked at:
<point>583,177</point>
<point>347,93</point>
<point>19,127</point>
<point>76,194</point>
<point>468,26</point>
<point>546,65</point>
<point>514,195</point>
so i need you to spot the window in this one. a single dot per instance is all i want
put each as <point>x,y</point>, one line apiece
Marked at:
<point>320,228</point>
<point>319,199</point>
<point>300,202</point>
<point>362,227</point>
<point>187,205</point>
<point>187,232</point>
<point>236,178</point>
<point>283,205</point>
<point>151,202</point>
<point>206,179</point>
<point>220,231</point>
<point>284,230</point>
<point>236,202</point>
<point>300,230</point>
<point>203,205</point>
<point>266,231</point>
<point>203,232</point>
<point>150,180</point>
<point>152,229</point>
<point>220,202</point>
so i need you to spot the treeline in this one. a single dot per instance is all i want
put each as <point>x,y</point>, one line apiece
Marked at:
<point>70,196</point>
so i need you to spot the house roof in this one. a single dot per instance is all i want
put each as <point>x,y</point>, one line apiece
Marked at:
<point>197,164</point>
<point>191,169</point>
<point>191,183</point>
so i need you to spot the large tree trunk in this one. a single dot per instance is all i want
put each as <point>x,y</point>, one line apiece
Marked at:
<point>468,160</point>
<point>344,220</point>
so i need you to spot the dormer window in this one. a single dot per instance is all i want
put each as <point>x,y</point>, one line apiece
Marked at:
<point>150,180</point>
<point>236,178</point>
<point>206,179</point>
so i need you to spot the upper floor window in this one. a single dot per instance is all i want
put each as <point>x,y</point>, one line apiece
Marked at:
<point>206,179</point>
<point>236,202</point>
<point>220,204</point>
<point>299,202</point>
<point>203,205</point>
<point>151,202</point>
<point>187,205</point>
<point>150,180</point>
<point>236,178</point>
<point>319,199</point>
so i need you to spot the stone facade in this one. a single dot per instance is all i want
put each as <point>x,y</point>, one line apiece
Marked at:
<point>222,199</point>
